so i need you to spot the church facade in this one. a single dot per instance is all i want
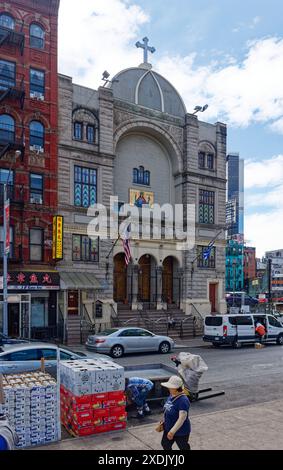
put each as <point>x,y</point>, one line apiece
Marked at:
<point>135,140</point>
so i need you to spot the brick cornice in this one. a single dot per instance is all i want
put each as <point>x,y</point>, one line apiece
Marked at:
<point>45,6</point>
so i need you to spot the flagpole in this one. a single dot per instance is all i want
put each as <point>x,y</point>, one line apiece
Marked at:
<point>107,257</point>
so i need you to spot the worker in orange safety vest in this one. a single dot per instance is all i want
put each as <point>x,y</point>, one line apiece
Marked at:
<point>260,330</point>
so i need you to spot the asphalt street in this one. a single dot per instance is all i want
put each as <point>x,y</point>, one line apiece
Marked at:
<point>247,375</point>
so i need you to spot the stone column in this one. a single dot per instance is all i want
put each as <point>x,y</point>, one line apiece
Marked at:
<point>135,286</point>
<point>159,288</point>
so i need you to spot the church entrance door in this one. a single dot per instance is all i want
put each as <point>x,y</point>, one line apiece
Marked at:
<point>167,280</point>
<point>120,279</point>
<point>144,278</point>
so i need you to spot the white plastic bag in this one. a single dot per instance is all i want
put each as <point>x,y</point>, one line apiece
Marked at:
<point>191,369</point>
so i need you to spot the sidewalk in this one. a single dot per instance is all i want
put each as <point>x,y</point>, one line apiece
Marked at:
<point>247,428</point>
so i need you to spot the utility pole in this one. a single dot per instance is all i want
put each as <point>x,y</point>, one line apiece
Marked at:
<point>6,245</point>
<point>6,212</point>
<point>269,285</point>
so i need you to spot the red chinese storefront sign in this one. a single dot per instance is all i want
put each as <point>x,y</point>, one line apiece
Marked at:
<point>28,280</point>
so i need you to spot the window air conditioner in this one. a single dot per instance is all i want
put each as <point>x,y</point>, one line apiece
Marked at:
<point>38,95</point>
<point>36,148</point>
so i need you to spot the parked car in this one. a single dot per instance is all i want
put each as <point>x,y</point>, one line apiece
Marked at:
<point>16,358</point>
<point>236,330</point>
<point>235,299</point>
<point>120,341</point>
<point>7,340</point>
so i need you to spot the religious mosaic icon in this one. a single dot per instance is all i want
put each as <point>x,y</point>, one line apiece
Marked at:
<point>141,198</point>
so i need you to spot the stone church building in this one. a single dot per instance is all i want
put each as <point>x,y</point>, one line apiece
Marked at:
<point>135,139</point>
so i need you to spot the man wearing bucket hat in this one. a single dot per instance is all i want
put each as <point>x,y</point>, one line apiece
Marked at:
<point>176,424</point>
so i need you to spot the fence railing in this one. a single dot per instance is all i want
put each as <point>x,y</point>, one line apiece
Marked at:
<point>198,318</point>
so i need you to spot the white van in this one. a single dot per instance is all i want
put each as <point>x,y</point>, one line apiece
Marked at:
<point>236,330</point>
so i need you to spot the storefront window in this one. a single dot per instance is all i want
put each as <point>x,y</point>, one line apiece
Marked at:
<point>39,314</point>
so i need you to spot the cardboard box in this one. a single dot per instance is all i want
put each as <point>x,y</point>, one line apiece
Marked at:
<point>101,429</point>
<point>118,426</point>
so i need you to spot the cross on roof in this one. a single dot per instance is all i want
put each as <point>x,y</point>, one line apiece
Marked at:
<point>145,48</point>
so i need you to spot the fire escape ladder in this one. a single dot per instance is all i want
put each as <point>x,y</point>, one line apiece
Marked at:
<point>4,150</point>
<point>5,94</point>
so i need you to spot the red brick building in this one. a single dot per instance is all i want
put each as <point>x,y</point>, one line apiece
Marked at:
<point>29,123</point>
<point>250,271</point>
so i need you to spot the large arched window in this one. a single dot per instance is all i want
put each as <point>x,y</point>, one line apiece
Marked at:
<point>7,128</point>
<point>36,135</point>
<point>37,36</point>
<point>7,21</point>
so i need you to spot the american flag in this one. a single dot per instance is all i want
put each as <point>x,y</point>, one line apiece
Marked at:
<point>127,245</point>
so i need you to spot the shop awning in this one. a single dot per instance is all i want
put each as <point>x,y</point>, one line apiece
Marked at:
<point>79,280</point>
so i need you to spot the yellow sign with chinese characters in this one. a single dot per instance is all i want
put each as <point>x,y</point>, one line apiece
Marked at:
<point>57,245</point>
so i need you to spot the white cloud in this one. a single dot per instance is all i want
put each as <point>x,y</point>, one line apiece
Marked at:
<point>265,173</point>
<point>264,230</point>
<point>241,93</point>
<point>263,198</point>
<point>277,126</point>
<point>96,36</point>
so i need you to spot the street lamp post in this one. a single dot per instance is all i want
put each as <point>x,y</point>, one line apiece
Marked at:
<point>6,247</point>
<point>234,280</point>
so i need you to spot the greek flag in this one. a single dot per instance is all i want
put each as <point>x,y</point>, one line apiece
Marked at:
<point>207,251</point>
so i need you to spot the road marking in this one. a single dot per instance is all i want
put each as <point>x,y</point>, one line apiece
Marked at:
<point>263,365</point>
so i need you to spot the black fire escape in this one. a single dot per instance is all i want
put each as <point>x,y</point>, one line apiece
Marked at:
<point>10,142</point>
<point>12,89</point>
<point>9,37</point>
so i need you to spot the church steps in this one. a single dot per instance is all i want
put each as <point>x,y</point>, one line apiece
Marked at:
<point>156,321</point>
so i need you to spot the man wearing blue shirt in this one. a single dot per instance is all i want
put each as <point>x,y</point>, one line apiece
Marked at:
<point>137,390</point>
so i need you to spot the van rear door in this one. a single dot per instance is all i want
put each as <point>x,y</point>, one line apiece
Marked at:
<point>274,328</point>
<point>213,328</point>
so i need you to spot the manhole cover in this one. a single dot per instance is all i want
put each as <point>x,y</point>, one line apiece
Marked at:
<point>116,439</point>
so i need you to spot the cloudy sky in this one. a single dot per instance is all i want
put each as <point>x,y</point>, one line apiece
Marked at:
<point>228,54</point>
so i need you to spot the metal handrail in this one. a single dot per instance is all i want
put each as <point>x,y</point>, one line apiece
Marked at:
<point>65,329</point>
<point>129,321</point>
<point>181,326</point>
<point>114,316</point>
<point>199,318</point>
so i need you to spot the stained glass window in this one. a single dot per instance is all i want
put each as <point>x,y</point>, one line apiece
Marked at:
<point>206,207</point>
<point>206,263</point>
<point>85,189</point>
<point>140,176</point>
<point>85,249</point>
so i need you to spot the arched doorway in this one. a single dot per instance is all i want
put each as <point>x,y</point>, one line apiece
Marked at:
<point>170,281</point>
<point>120,279</point>
<point>147,279</point>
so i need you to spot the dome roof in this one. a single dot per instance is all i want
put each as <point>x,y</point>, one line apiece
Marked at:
<point>147,88</point>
